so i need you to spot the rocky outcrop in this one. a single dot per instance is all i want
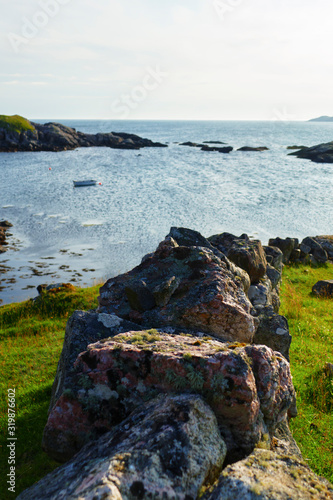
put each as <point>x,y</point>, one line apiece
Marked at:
<point>253,149</point>
<point>214,142</point>
<point>58,137</point>
<point>321,153</point>
<point>168,448</point>
<point>249,388</point>
<point>4,226</point>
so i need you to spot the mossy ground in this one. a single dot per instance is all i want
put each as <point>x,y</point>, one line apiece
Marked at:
<point>15,123</point>
<point>31,337</point>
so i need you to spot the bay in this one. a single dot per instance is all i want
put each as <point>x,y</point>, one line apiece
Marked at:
<point>86,235</point>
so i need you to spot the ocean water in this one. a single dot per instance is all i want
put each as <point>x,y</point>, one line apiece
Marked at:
<point>86,235</point>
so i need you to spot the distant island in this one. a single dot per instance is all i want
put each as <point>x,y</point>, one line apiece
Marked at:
<point>322,119</point>
<point>19,134</point>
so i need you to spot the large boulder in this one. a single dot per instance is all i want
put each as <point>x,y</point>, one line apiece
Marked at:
<point>168,448</point>
<point>248,387</point>
<point>245,253</point>
<point>268,475</point>
<point>323,288</point>
<point>190,287</point>
<point>84,328</point>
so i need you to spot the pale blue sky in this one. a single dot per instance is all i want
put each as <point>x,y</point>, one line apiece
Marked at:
<point>148,59</point>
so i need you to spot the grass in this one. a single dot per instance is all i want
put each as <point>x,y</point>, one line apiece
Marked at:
<point>31,337</point>
<point>311,326</point>
<point>15,123</point>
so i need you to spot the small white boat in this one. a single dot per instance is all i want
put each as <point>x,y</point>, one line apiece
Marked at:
<point>89,182</point>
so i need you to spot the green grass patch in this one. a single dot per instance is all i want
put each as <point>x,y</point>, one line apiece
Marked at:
<point>15,123</point>
<point>311,326</point>
<point>31,338</point>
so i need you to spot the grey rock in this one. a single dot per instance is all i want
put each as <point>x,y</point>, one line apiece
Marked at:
<point>274,276</point>
<point>273,331</point>
<point>166,449</point>
<point>274,257</point>
<point>315,249</point>
<point>260,294</point>
<point>266,475</point>
<point>323,288</point>
<point>139,296</point>
<point>326,242</point>
<point>286,245</point>
<point>245,253</point>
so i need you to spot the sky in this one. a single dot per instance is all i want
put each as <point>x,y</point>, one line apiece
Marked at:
<point>168,60</point>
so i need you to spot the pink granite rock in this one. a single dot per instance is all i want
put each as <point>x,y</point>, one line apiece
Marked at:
<point>249,388</point>
<point>168,448</point>
<point>183,286</point>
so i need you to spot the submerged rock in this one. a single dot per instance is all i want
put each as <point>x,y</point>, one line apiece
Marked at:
<point>251,149</point>
<point>249,388</point>
<point>168,448</point>
<point>226,149</point>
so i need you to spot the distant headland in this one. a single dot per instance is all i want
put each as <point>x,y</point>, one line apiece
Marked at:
<point>19,134</point>
<point>322,119</point>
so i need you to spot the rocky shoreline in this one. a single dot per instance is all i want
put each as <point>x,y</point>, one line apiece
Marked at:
<point>178,386</point>
<point>57,137</point>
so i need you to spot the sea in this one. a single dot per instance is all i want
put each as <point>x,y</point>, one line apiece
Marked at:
<point>89,234</point>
